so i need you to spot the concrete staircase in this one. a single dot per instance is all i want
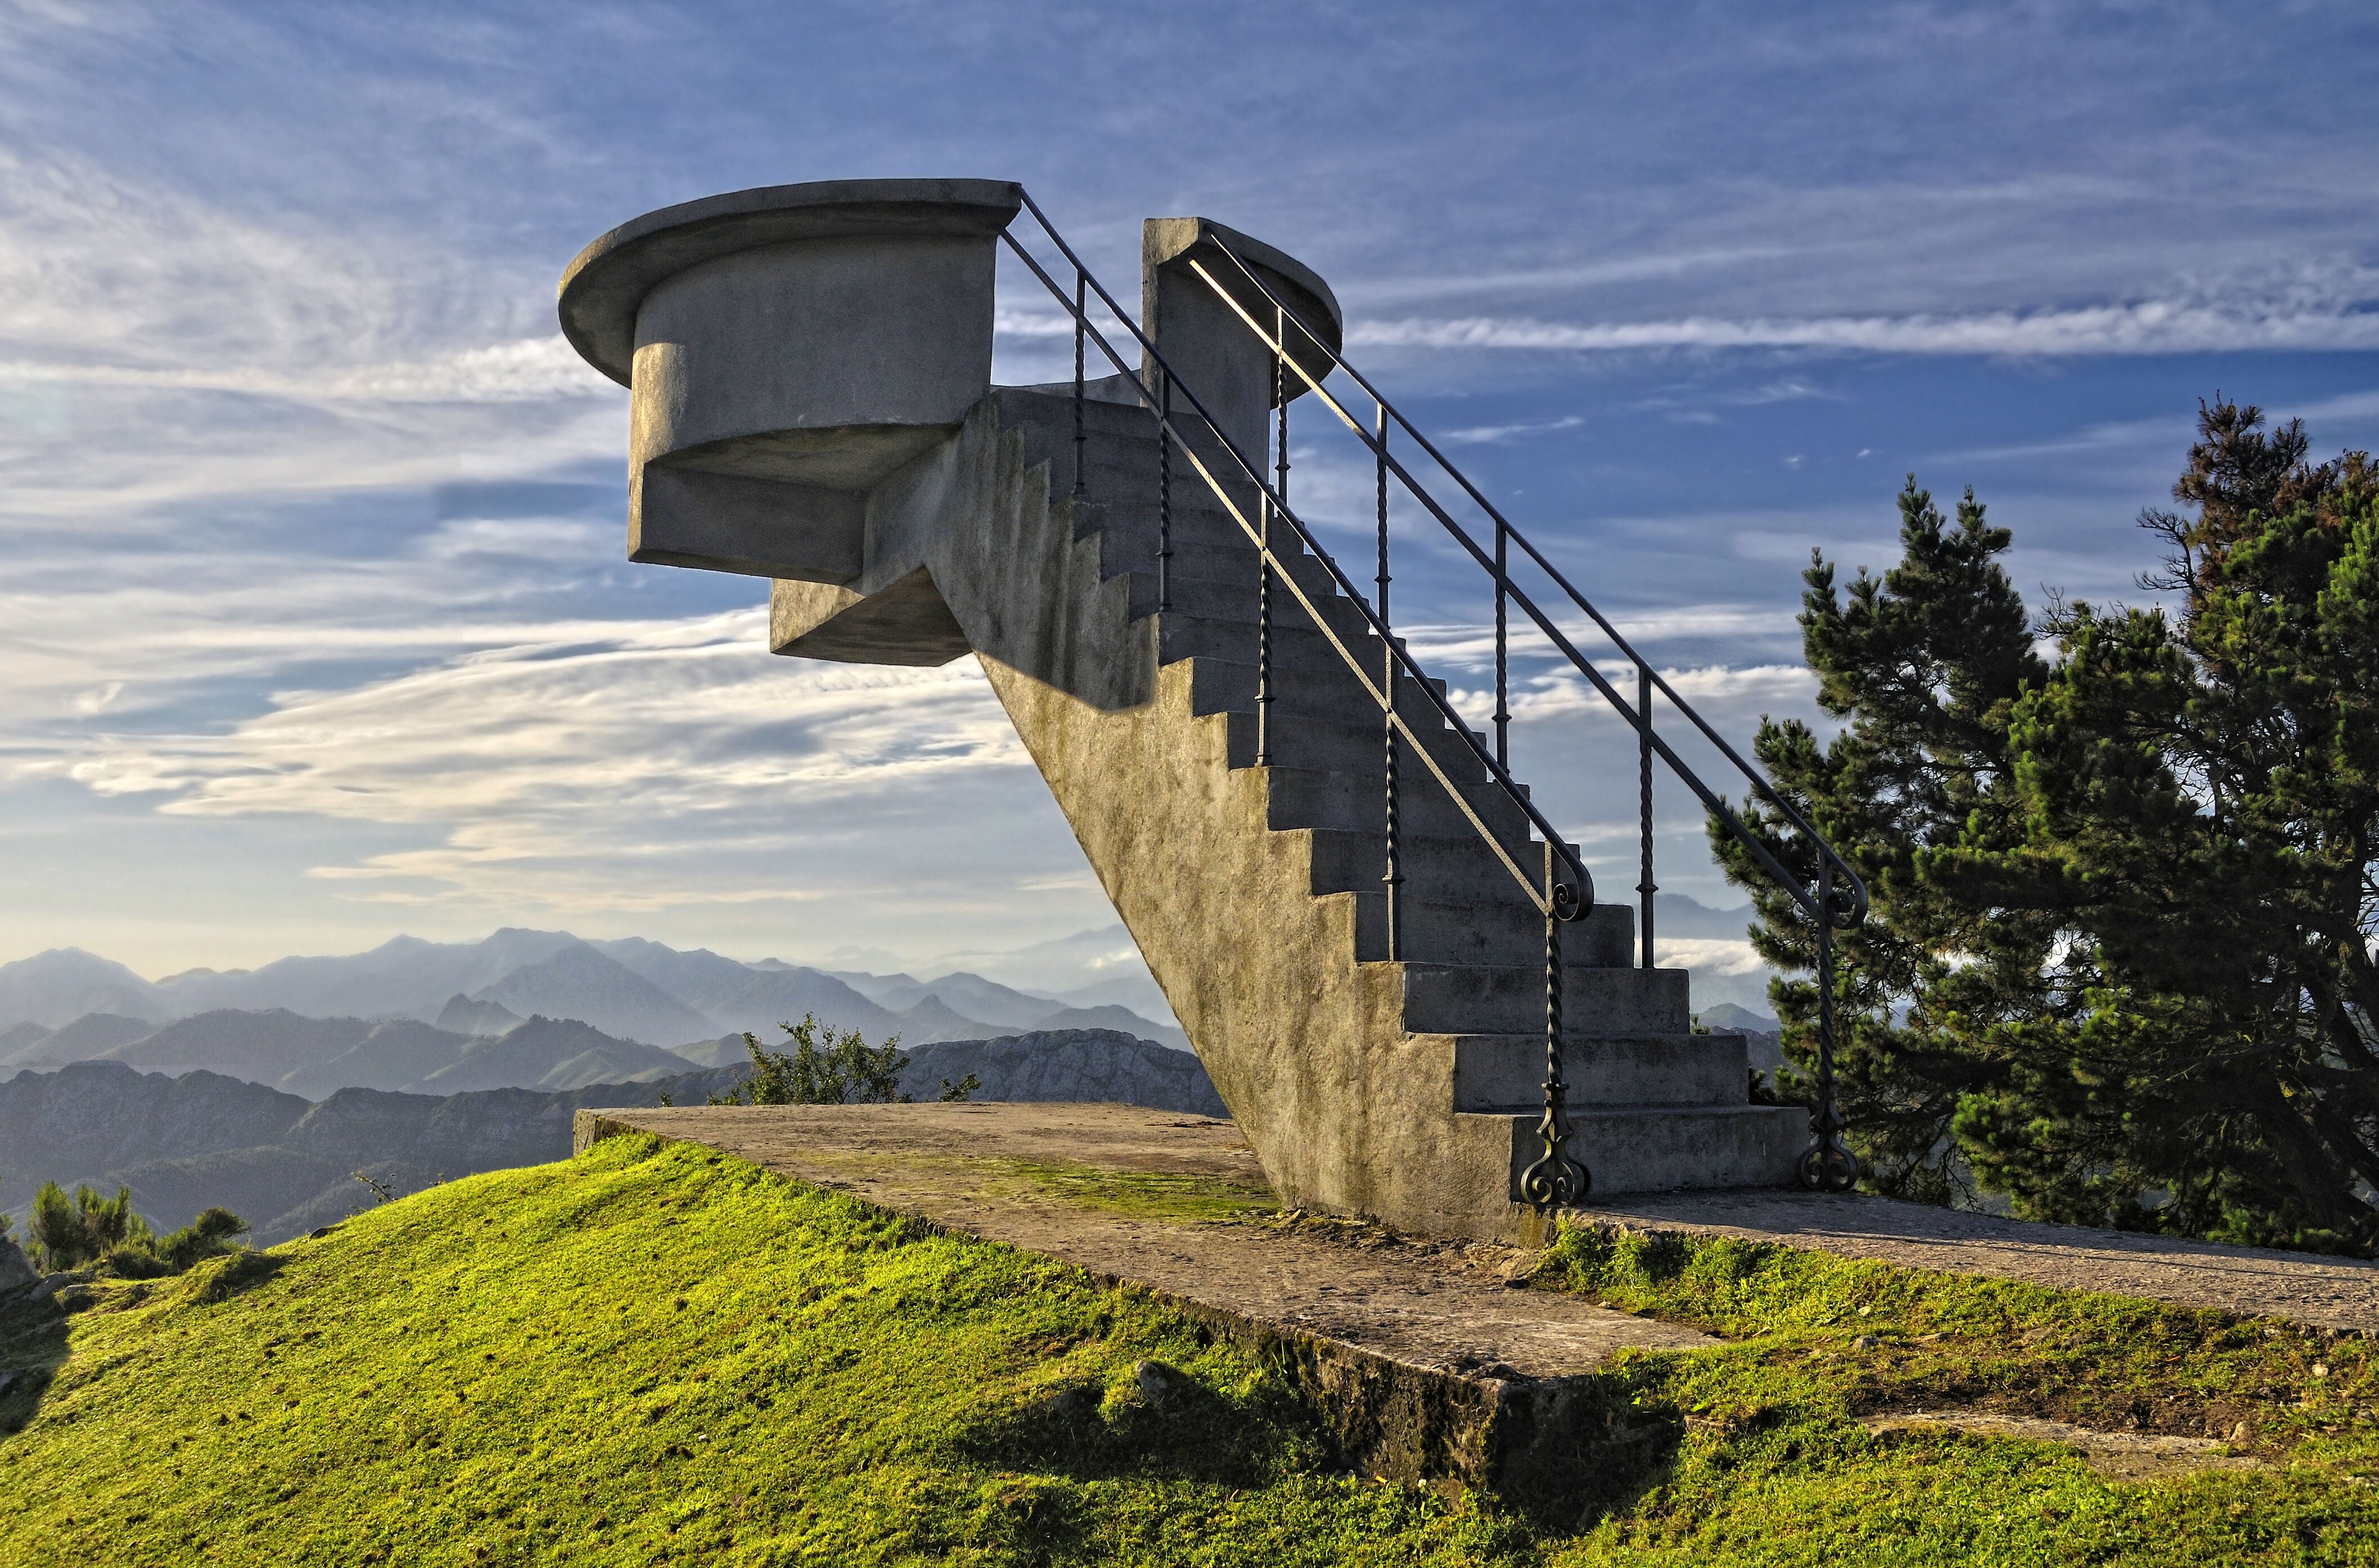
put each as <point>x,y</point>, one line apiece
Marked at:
<point>1406,1089</point>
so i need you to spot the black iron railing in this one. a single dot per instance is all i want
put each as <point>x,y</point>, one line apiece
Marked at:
<point>1563,890</point>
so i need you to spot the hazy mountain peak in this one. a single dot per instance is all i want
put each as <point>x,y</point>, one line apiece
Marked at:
<point>593,986</point>
<point>62,984</point>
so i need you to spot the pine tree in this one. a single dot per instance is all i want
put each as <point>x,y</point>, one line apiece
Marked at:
<point>2120,966</point>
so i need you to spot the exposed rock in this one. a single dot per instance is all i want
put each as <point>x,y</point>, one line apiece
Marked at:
<point>1112,1017</point>
<point>53,1284</point>
<point>16,1269</point>
<point>1087,1064</point>
<point>1154,1381</point>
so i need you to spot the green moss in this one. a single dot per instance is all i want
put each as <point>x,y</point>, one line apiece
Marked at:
<point>657,1354</point>
<point>1145,1195</point>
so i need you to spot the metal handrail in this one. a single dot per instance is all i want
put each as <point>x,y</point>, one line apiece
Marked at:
<point>1556,1178</point>
<point>1827,1166</point>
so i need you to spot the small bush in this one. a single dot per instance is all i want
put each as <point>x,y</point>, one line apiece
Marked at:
<point>68,1233</point>
<point>826,1066</point>
<point>88,1229</point>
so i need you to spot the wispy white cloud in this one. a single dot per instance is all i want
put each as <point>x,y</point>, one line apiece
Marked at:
<point>1501,435</point>
<point>532,369</point>
<point>2146,327</point>
<point>527,760</point>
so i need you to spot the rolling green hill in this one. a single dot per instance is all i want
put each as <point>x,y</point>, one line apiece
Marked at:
<point>660,1355</point>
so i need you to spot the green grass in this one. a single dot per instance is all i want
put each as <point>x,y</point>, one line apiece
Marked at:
<point>657,1354</point>
<point>1773,1467</point>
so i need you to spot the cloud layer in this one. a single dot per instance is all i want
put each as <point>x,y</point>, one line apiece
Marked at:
<point>315,617</point>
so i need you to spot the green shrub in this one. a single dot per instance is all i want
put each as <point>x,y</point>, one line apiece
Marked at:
<point>89,1229</point>
<point>826,1066</point>
<point>68,1233</point>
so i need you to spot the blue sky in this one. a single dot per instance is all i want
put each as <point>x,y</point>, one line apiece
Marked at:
<point>314,611</point>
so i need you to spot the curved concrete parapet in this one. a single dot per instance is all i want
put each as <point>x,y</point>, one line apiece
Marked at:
<point>1207,343</point>
<point>788,348</point>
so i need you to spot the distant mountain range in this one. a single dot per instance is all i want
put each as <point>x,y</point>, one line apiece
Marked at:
<point>84,1007</point>
<point>288,1164</point>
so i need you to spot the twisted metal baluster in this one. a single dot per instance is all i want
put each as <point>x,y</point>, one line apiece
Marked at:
<point>1554,1181</point>
<point>1503,709</point>
<point>1263,569</point>
<point>1280,394</point>
<point>1164,492</point>
<point>1394,876</point>
<point>1644,888</point>
<point>1829,1166</point>
<point>1082,319</point>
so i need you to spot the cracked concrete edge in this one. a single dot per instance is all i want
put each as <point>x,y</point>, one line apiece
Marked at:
<point>1519,1438</point>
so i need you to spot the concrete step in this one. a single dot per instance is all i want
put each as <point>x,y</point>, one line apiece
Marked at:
<point>1295,649</point>
<point>1304,740</point>
<point>1227,570</point>
<point>1661,1148</point>
<point>1235,604</point>
<point>1455,867</point>
<point>1191,525</point>
<point>1506,1072</point>
<point>1503,929</point>
<point>1496,999</point>
<point>1334,693</point>
<point>1305,797</point>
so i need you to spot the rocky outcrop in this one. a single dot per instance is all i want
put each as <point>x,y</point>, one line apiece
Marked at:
<point>1088,1065</point>
<point>16,1270</point>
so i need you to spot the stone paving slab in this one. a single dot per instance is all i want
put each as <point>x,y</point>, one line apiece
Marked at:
<point>2341,1293</point>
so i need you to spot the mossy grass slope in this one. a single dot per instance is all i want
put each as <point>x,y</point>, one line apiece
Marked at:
<point>657,1354</point>
<point>1773,1464</point>
<point>653,1353</point>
